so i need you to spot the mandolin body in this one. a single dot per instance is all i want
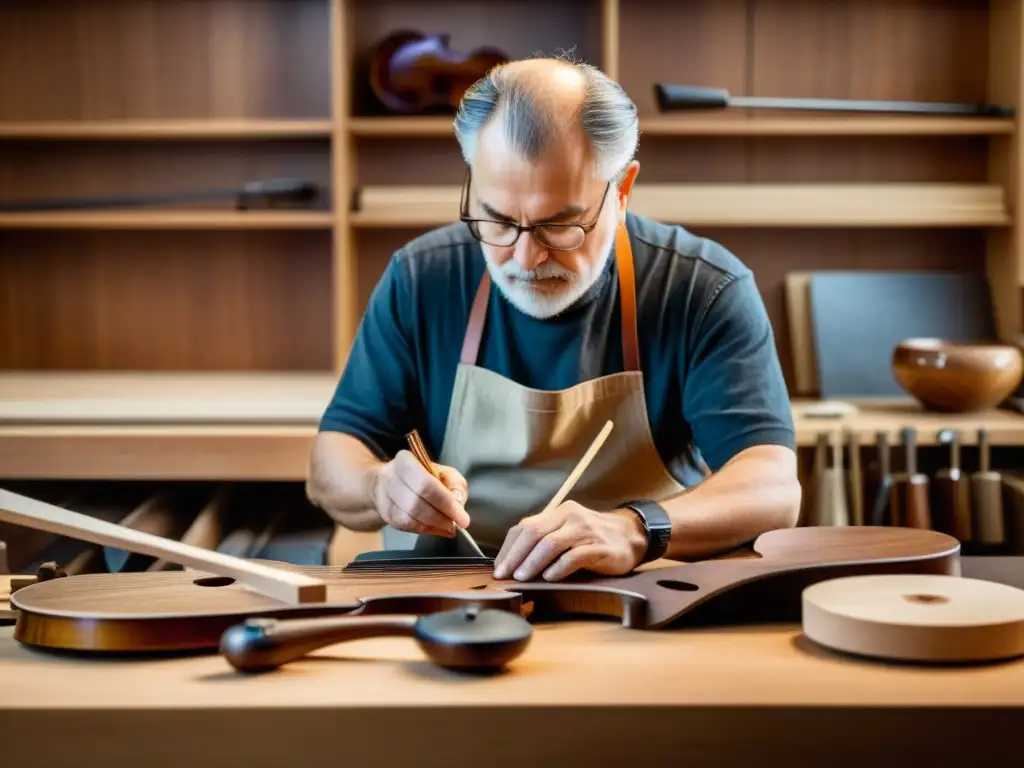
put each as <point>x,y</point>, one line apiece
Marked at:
<point>176,611</point>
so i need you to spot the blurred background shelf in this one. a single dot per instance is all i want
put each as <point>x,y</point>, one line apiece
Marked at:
<point>737,125</point>
<point>737,205</point>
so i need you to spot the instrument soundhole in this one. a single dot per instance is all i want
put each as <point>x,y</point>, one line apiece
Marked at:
<point>679,586</point>
<point>214,581</point>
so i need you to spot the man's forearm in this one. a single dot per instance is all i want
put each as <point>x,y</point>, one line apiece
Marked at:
<point>757,491</point>
<point>341,480</point>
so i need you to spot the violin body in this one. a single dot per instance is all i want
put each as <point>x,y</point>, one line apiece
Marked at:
<point>413,73</point>
<point>190,610</point>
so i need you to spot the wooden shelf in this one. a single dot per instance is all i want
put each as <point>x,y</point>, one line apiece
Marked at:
<point>735,125</point>
<point>262,425</point>
<point>1004,427</point>
<point>166,129</point>
<point>149,219</point>
<point>737,205</point>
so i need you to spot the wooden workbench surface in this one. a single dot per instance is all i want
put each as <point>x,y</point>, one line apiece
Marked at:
<point>581,689</point>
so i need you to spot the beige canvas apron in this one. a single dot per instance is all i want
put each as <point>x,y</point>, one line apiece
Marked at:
<point>516,445</point>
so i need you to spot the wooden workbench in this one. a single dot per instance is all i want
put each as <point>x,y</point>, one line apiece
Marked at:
<point>584,693</point>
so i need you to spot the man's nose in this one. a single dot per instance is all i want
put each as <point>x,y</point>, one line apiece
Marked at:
<point>528,253</point>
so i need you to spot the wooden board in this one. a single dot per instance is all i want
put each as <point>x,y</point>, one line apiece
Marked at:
<point>801,332</point>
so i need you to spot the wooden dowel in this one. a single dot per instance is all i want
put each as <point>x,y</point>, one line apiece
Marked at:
<point>580,468</point>
<point>287,586</point>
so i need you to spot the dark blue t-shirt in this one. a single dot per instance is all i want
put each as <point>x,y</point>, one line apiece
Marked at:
<point>712,378</point>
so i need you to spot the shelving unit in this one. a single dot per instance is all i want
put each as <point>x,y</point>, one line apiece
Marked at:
<point>278,89</point>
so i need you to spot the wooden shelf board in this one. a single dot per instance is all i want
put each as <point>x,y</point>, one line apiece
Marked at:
<point>253,426</point>
<point>166,129</point>
<point>160,219</point>
<point>1005,427</point>
<point>735,125</point>
<point>736,205</point>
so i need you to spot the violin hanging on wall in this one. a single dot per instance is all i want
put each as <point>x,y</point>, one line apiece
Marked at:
<point>414,73</point>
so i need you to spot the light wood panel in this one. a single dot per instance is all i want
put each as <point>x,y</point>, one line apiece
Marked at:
<point>739,205</point>
<point>731,124</point>
<point>180,300</point>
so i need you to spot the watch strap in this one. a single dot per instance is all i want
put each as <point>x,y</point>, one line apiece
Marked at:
<point>657,524</point>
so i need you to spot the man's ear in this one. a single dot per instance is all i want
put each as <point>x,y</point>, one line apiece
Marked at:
<point>625,188</point>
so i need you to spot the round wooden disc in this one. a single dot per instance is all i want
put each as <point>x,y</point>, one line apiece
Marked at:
<point>908,617</point>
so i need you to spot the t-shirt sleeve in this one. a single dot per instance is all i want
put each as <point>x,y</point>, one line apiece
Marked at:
<point>377,398</point>
<point>734,393</point>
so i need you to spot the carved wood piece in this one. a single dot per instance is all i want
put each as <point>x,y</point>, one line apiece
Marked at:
<point>190,610</point>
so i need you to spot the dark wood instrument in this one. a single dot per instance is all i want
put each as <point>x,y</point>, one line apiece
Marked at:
<point>413,73</point>
<point>466,638</point>
<point>190,610</point>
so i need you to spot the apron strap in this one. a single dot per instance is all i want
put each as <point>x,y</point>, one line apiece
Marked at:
<point>627,302</point>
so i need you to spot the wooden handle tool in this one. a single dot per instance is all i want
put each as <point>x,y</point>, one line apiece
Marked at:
<point>288,586</point>
<point>839,509</point>
<point>419,450</point>
<point>855,484</point>
<point>580,468</point>
<point>951,493</point>
<point>880,505</point>
<point>987,498</point>
<point>911,488</point>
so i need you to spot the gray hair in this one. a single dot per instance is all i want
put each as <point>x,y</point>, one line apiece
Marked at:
<point>607,115</point>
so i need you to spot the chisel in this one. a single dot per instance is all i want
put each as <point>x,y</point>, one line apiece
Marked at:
<point>856,482</point>
<point>883,493</point>
<point>951,493</point>
<point>987,498</point>
<point>910,488</point>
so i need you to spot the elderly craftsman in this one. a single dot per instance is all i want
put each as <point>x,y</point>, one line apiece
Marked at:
<point>510,338</point>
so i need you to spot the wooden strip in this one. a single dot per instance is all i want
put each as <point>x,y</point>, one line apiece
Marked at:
<point>580,468</point>
<point>730,125</point>
<point>767,205</point>
<point>290,587</point>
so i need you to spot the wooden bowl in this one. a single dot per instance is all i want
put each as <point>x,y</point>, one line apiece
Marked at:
<point>957,377</point>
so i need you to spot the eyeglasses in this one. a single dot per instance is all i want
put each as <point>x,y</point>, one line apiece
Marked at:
<point>504,234</point>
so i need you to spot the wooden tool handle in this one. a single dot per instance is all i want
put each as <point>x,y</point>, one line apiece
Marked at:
<point>263,644</point>
<point>580,467</point>
<point>288,586</point>
<point>987,497</point>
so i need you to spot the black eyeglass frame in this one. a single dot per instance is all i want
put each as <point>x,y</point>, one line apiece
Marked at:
<point>520,228</point>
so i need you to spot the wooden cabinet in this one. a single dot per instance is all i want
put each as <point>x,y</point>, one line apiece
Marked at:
<point>141,96</point>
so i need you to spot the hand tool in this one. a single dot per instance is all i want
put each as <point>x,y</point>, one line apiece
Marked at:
<point>987,498</point>
<point>951,493</point>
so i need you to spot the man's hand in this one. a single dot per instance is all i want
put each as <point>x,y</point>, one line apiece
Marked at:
<point>409,498</point>
<point>571,537</point>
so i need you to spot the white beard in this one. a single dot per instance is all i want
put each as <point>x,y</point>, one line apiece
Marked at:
<point>544,303</point>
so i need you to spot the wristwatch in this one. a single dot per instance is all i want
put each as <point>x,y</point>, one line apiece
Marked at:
<point>657,524</point>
